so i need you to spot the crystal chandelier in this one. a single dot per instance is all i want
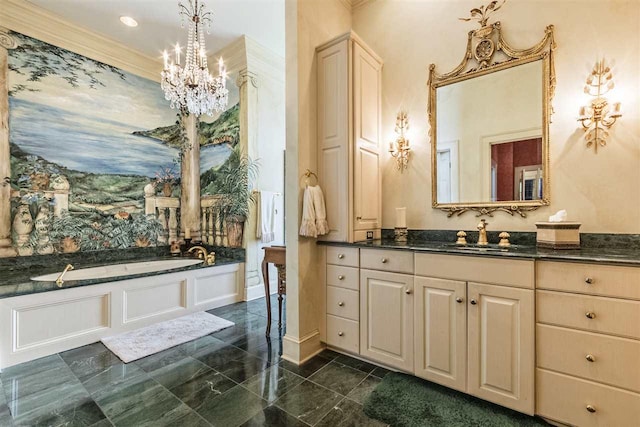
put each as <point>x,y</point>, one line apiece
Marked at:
<point>191,86</point>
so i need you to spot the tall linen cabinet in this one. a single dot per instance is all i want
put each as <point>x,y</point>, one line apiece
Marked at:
<point>349,141</point>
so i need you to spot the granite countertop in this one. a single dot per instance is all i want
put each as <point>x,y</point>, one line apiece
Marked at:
<point>16,273</point>
<point>618,256</point>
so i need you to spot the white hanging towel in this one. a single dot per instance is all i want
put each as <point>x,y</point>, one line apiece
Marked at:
<point>266,223</point>
<point>308,226</point>
<point>320,210</point>
<point>314,213</point>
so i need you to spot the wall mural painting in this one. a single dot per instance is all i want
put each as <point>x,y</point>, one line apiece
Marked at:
<point>86,138</point>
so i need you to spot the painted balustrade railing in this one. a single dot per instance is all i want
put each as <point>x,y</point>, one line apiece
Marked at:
<point>167,210</point>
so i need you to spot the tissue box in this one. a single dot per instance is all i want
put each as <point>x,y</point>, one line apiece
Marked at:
<point>558,235</point>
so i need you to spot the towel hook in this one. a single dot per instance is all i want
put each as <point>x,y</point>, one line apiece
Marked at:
<point>308,174</point>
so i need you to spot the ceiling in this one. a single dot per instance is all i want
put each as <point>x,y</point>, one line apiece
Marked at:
<point>159,23</point>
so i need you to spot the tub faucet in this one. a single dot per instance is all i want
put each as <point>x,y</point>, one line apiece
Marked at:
<point>482,235</point>
<point>209,258</point>
<point>59,280</point>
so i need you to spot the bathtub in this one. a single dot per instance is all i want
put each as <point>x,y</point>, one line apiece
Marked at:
<point>119,270</point>
<point>126,297</point>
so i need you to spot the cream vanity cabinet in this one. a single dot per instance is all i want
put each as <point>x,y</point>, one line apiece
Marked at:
<point>386,307</point>
<point>474,326</point>
<point>349,106</point>
<point>588,343</point>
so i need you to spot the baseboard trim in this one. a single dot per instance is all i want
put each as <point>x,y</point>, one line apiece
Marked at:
<point>257,291</point>
<point>300,350</point>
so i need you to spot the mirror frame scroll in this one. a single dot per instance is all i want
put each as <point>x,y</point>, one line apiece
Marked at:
<point>478,62</point>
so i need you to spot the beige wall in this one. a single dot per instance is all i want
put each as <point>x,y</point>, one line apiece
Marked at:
<point>600,190</point>
<point>309,23</point>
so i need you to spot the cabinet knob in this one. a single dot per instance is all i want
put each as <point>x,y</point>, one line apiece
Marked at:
<point>358,218</point>
<point>384,260</point>
<point>341,304</point>
<point>459,300</point>
<point>340,256</point>
<point>473,302</point>
<point>588,280</point>
<point>341,277</point>
<point>340,333</point>
<point>591,408</point>
<point>590,315</point>
<point>407,291</point>
<point>590,358</point>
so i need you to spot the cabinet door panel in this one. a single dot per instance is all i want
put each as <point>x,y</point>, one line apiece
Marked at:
<point>441,331</point>
<point>386,318</point>
<point>333,137</point>
<point>367,73</point>
<point>501,345</point>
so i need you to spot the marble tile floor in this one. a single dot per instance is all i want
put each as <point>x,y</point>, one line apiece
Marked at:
<point>233,377</point>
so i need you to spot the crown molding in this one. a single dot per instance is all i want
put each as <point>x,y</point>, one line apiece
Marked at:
<point>246,54</point>
<point>352,5</point>
<point>26,18</point>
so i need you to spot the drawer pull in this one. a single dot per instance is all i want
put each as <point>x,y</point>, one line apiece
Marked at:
<point>341,304</point>
<point>341,277</point>
<point>384,260</point>
<point>340,256</point>
<point>588,280</point>
<point>407,291</point>
<point>459,300</point>
<point>340,333</point>
<point>590,358</point>
<point>473,302</point>
<point>591,409</point>
<point>590,315</point>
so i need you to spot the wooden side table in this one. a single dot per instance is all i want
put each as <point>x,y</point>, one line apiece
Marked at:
<point>276,255</point>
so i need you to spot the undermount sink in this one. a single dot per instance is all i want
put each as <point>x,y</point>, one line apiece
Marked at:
<point>477,248</point>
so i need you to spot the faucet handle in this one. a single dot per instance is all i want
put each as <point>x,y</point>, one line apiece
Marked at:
<point>504,239</point>
<point>211,258</point>
<point>462,238</point>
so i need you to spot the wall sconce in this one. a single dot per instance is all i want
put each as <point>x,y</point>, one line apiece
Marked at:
<point>599,116</point>
<point>400,149</point>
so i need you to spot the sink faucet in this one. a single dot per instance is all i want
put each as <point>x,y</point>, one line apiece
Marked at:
<point>209,258</point>
<point>59,280</point>
<point>482,235</point>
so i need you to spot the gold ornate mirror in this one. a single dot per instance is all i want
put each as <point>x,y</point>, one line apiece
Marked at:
<point>489,120</point>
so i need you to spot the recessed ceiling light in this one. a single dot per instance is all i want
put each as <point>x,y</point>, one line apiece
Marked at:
<point>128,21</point>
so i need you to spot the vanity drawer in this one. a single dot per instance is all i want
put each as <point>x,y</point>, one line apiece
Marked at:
<point>507,272</point>
<point>338,255</point>
<point>564,398</point>
<point>605,280</point>
<point>343,277</point>
<point>343,334</point>
<point>595,314</point>
<point>343,302</point>
<point>387,260</point>
<point>602,358</point>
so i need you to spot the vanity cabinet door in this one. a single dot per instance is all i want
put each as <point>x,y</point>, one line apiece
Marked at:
<point>367,179</point>
<point>386,318</point>
<point>441,331</point>
<point>501,345</point>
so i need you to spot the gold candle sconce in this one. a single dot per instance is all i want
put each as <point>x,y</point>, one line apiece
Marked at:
<point>600,115</point>
<point>401,149</point>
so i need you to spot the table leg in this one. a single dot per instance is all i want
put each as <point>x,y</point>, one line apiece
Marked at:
<point>279,310</point>
<point>267,293</point>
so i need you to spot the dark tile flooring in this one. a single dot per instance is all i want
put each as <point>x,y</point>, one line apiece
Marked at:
<point>233,377</point>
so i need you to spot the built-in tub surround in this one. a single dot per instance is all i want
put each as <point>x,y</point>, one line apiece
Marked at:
<point>120,270</point>
<point>106,298</point>
<point>19,273</point>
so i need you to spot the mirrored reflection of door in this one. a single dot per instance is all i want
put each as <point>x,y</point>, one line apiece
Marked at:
<point>444,176</point>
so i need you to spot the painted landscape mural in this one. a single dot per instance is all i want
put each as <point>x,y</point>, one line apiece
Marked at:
<point>86,138</point>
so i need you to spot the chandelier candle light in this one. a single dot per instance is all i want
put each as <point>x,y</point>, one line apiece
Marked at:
<point>191,86</point>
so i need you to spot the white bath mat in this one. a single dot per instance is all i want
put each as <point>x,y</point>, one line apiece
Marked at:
<point>136,344</point>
